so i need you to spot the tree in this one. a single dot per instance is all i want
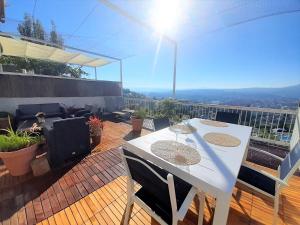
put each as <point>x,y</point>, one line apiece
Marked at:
<point>55,38</point>
<point>34,28</point>
<point>38,30</point>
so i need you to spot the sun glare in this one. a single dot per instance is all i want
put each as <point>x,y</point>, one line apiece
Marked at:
<point>165,15</point>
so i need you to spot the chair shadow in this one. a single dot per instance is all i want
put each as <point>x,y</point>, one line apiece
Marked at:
<point>235,217</point>
<point>15,197</point>
<point>266,200</point>
<point>131,135</point>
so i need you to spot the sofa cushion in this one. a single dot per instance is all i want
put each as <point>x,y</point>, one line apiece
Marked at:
<point>26,124</point>
<point>50,108</point>
<point>29,110</point>
<point>58,114</point>
<point>26,117</point>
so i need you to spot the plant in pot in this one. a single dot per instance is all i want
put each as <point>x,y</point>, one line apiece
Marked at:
<point>137,120</point>
<point>96,128</point>
<point>17,150</point>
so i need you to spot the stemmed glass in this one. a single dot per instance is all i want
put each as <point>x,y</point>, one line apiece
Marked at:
<point>185,119</point>
<point>177,131</point>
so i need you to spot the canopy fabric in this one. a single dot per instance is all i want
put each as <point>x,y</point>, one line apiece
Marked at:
<point>21,48</point>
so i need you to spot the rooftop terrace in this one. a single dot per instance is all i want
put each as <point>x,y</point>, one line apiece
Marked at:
<point>93,191</point>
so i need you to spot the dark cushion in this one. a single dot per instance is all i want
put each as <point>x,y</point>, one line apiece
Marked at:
<point>26,117</point>
<point>29,110</point>
<point>67,138</point>
<point>165,212</point>
<point>161,123</point>
<point>26,124</point>
<point>50,108</point>
<point>81,112</point>
<point>290,161</point>
<point>58,114</point>
<point>228,117</point>
<point>154,191</point>
<point>257,180</point>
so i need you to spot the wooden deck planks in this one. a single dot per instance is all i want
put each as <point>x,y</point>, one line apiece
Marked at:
<point>94,192</point>
<point>107,205</point>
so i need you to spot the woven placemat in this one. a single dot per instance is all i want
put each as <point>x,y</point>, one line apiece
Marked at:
<point>184,129</point>
<point>221,139</point>
<point>214,123</point>
<point>176,153</point>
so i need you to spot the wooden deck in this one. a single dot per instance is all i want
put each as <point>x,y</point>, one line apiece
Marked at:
<point>93,191</point>
<point>115,134</point>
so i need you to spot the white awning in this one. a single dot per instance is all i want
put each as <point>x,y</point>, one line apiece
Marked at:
<point>26,49</point>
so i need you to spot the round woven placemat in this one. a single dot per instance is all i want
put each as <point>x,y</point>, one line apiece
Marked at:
<point>176,153</point>
<point>214,123</point>
<point>224,140</point>
<point>184,129</point>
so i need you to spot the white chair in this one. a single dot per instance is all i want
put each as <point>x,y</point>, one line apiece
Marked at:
<point>162,195</point>
<point>267,184</point>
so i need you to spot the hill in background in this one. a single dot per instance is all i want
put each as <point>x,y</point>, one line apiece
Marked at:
<point>286,97</point>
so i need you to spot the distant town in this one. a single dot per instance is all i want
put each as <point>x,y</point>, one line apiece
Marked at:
<point>278,98</point>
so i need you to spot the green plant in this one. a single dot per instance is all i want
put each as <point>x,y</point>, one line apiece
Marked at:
<point>141,113</point>
<point>96,126</point>
<point>17,140</point>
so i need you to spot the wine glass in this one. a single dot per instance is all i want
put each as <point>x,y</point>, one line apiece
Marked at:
<point>177,131</point>
<point>185,119</point>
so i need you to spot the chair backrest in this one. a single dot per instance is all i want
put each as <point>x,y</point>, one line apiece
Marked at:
<point>154,179</point>
<point>290,163</point>
<point>161,123</point>
<point>228,117</point>
<point>140,172</point>
<point>72,135</point>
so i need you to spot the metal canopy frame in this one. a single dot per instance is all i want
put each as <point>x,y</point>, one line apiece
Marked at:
<point>124,13</point>
<point>42,42</point>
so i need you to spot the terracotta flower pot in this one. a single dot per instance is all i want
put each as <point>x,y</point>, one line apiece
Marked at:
<point>18,162</point>
<point>137,124</point>
<point>96,140</point>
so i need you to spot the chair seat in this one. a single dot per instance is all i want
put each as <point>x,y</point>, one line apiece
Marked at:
<point>160,209</point>
<point>257,180</point>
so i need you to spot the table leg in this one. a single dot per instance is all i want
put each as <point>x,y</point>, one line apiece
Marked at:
<point>221,210</point>
<point>246,152</point>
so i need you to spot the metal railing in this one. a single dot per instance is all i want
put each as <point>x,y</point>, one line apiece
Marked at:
<point>269,125</point>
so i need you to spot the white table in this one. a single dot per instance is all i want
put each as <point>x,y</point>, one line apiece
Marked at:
<point>215,174</point>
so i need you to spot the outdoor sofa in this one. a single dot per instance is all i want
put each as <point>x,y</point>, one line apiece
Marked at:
<point>25,114</point>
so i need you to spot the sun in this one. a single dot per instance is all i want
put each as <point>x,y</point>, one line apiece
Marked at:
<point>165,15</point>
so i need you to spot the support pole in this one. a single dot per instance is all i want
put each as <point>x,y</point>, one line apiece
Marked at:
<point>174,70</point>
<point>96,77</point>
<point>121,76</point>
<point>124,13</point>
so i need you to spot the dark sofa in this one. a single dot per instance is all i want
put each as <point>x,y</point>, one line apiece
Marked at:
<point>67,139</point>
<point>27,112</point>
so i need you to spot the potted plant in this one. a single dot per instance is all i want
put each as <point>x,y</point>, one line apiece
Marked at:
<point>17,150</point>
<point>137,120</point>
<point>96,127</point>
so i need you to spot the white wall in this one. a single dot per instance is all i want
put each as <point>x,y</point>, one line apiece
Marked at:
<point>11,104</point>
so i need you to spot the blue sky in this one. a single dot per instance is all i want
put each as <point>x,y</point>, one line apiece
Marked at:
<point>261,53</point>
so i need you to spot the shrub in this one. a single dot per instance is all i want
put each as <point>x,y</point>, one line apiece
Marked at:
<point>141,113</point>
<point>96,126</point>
<point>14,141</point>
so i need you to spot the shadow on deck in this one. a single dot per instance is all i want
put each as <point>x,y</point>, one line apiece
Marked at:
<point>93,191</point>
